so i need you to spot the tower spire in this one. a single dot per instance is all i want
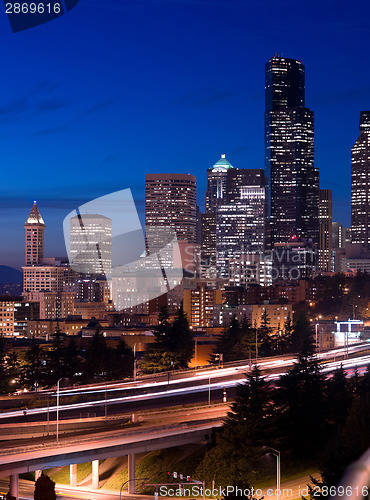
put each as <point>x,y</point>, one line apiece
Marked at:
<point>34,227</point>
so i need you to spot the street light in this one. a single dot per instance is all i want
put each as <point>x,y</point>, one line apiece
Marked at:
<point>105,397</point>
<point>129,480</point>
<point>63,378</point>
<point>276,453</point>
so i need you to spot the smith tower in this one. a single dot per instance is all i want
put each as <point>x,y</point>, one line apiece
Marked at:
<point>34,227</point>
<point>293,180</point>
<point>360,184</point>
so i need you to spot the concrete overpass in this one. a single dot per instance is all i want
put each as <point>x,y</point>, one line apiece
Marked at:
<point>94,448</point>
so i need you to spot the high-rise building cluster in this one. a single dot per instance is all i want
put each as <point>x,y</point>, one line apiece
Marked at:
<point>261,237</point>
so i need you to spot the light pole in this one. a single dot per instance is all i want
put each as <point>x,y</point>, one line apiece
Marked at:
<point>209,390</point>
<point>105,398</point>
<point>58,407</point>
<point>134,362</point>
<point>196,353</point>
<point>316,327</point>
<point>276,453</point>
<point>126,482</point>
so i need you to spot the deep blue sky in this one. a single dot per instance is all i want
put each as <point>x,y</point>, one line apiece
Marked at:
<point>115,89</point>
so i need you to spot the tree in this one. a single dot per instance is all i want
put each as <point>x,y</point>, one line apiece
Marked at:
<point>44,488</point>
<point>237,341</point>
<point>300,400</point>
<point>264,335</point>
<point>302,336</point>
<point>180,340</point>
<point>339,399</point>
<point>33,373</point>
<point>72,361</point>
<point>97,357</point>
<point>122,361</point>
<point>285,340</point>
<point>253,407</point>
<point>174,344</point>
<point>55,357</point>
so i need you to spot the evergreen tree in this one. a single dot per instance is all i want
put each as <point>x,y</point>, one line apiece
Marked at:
<point>180,341</point>
<point>285,340</point>
<point>301,403</point>
<point>264,335</point>
<point>253,408</point>
<point>174,345</point>
<point>302,336</point>
<point>44,488</point>
<point>55,361</point>
<point>72,361</point>
<point>33,372</point>
<point>339,399</point>
<point>97,357</point>
<point>237,341</point>
<point>122,361</point>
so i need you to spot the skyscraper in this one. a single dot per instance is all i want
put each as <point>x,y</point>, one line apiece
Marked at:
<point>35,227</point>
<point>360,184</point>
<point>293,180</point>
<point>240,220</point>
<point>326,230</point>
<point>170,204</point>
<point>217,184</point>
<point>91,244</point>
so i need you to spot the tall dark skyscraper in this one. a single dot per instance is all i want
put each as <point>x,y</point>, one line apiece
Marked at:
<point>360,184</point>
<point>293,180</point>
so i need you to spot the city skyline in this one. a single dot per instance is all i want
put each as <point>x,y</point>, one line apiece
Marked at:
<point>102,108</point>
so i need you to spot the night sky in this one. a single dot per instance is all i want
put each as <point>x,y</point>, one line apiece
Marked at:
<point>115,89</point>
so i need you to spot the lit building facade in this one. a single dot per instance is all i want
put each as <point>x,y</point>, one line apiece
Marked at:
<point>326,230</point>
<point>91,244</point>
<point>360,184</point>
<point>217,184</point>
<point>240,227</point>
<point>42,278</point>
<point>293,180</point>
<point>35,227</point>
<point>170,208</point>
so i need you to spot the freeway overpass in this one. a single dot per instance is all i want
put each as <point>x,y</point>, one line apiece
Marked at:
<point>107,444</point>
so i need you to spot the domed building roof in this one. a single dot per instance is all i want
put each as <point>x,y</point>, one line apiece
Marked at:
<point>222,165</point>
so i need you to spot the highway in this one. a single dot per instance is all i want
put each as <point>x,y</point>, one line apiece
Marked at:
<point>183,388</point>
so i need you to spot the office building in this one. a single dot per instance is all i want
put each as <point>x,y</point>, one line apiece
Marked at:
<point>42,278</point>
<point>35,227</point>
<point>91,244</point>
<point>326,230</point>
<point>170,208</point>
<point>15,312</point>
<point>217,184</point>
<point>360,184</point>
<point>293,180</point>
<point>240,222</point>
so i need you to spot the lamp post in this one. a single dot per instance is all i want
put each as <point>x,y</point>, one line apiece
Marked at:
<point>276,453</point>
<point>196,353</point>
<point>105,398</point>
<point>58,407</point>
<point>126,482</point>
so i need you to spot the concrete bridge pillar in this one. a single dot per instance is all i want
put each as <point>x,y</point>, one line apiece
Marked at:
<point>131,474</point>
<point>37,474</point>
<point>14,486</point>
<point>73,474</point>
<point>95,474</point>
